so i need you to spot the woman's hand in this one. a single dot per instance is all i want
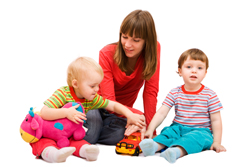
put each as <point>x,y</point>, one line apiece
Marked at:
<point>136,119</point>
<point>134,128</point>
<point>74,115</point>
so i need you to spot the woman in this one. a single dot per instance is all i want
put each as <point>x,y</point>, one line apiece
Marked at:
<point>129,64</point>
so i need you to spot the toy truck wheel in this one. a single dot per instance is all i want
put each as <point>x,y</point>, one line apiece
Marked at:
<point>117,152</point>
<point>137,151</point>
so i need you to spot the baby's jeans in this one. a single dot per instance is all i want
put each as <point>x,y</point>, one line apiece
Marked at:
<point>193,140</point>
<point>104,128</point>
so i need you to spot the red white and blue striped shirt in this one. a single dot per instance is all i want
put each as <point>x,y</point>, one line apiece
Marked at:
<point>193,108</point>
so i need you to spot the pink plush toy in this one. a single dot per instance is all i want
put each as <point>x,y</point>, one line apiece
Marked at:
<point>34,127</point>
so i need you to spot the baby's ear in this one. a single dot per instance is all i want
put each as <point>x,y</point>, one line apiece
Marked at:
<point>74,83</point>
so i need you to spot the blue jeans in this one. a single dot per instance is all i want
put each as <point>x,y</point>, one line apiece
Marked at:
<point>104,128</point>
<point>193,140</point>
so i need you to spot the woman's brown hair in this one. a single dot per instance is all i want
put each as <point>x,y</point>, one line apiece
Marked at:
<point>141,25</point>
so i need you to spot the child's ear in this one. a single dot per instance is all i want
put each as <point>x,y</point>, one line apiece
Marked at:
<point>74,83</point>
<point>206,73</point>
<point>179,72</point>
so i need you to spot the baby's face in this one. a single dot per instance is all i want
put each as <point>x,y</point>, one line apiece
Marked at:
<point>90,85</point>
<point>193,71</point>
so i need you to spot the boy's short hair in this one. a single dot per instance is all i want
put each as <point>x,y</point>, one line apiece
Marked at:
<point>194,54</point>
<point>79,67</point>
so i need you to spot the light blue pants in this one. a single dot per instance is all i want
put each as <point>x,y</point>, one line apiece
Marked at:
<point>193,140</point>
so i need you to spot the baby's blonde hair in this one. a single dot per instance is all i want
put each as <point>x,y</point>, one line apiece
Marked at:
<point>79,68</point>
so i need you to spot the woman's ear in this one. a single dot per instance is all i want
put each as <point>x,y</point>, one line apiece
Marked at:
<point>74,83</point>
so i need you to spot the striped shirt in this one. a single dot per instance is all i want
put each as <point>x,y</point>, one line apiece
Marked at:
<point>66,94</point>
<point>193,108</point>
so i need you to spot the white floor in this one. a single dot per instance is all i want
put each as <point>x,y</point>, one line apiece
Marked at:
<point>108,157</point>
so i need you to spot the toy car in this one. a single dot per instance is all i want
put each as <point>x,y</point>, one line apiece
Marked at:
<point>129,145</point>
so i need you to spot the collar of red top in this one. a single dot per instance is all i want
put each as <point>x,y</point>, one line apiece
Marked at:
<point>195,92</point>
<point>74,95</point>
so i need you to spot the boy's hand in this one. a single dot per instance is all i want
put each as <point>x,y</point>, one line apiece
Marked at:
<point>74,115</point>
<point>217,147</point>
<point>136,119</point>
<point>148,134</point>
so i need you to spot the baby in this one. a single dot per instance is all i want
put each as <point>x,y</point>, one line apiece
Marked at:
<point>83,77</point>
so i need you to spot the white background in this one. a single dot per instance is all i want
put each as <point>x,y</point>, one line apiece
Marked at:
<point>38,39</point>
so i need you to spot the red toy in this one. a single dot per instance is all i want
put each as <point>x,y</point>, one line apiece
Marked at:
<point>34,127</point>
<point>129,145</point>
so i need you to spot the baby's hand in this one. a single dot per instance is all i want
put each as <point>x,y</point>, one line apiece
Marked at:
<point>136,119</point>
<point>217,147</point>
<point>74,115</point>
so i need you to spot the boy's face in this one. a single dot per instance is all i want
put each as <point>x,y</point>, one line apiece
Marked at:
<point>89,86</point>
<point>193,72</point>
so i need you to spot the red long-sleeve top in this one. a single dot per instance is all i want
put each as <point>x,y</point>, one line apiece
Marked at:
<point>117,86</point>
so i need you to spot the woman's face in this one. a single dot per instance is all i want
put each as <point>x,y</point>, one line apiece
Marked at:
<point>132,46</point>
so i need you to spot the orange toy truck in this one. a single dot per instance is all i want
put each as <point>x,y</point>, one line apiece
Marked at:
<point>129,145</point>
